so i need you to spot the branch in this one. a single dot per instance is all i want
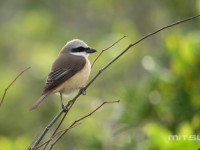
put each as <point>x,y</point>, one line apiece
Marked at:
<point>107,49</point>
<point>37,141</point>
<point>54,133</point>
<point>7,88</point>
<point>52,137</point>
<point>74,124</point>
<point>77,121</point>
<point>131,45</point>
<point>91,67</point>
<point>71,103</point>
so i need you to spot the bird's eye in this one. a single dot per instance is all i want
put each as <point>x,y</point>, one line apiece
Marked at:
<point>79,49</point>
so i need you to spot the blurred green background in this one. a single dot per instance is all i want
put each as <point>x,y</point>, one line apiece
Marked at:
<point>157,81</point>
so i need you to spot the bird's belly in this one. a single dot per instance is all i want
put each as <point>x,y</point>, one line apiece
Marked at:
<point>75,82</point>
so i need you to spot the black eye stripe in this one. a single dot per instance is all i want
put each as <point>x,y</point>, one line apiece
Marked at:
<point>79,49</point>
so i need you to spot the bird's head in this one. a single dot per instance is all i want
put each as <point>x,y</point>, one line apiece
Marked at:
<point>77,47</point>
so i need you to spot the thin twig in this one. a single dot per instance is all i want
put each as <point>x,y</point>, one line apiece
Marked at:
<point>54,133</point>
<point>46,130</point>
<point>66,110</point>
<point>7,88</point>
<point>52,137</point>
<point>106,50</point>
<point>77,121</point>
<point>100,71</point>
<point>131,45</point>
<point>74,124</point>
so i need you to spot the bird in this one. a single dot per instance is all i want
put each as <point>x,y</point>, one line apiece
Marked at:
<point>69,72</point>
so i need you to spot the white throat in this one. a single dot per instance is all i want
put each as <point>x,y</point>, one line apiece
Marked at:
<point>84,54</point>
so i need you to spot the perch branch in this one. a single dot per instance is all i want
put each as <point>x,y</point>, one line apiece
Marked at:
<point>52,137</point>
<point>138,41</point>
<point>77,121</point>
<point>69,105</point>
<point>91,67</point>
<point>67,108</point>
<point>7,88</point>
<point>74,124</point>
<point>54,133</point>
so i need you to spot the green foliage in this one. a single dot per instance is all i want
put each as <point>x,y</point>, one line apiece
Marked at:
<point>158,81</point>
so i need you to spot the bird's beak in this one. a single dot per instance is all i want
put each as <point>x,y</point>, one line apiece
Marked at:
<point>90,50</point>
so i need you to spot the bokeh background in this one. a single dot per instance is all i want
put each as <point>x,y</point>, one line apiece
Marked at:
<point>157,81</point>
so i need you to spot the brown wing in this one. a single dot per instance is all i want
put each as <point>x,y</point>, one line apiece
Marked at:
<point>64,67</point>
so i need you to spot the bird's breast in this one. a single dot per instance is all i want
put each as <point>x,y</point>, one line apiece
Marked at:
<point>76,81</point>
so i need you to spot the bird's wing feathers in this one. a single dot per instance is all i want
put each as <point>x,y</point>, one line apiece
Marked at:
<point>61,71</point>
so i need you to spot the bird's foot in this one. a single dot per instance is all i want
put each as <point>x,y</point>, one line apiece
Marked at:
<point>64,108</point>
<point>83,90</point>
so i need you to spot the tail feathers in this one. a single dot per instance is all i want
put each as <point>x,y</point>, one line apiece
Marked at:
<point>39,101</point>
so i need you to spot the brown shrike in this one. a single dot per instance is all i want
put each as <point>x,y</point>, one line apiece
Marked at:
<point>69,72</point>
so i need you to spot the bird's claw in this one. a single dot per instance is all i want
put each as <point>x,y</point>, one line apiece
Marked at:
<point>83,90</point>
<point>64,108</point>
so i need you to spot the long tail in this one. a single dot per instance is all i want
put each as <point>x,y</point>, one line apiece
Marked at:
<point>39,101</point>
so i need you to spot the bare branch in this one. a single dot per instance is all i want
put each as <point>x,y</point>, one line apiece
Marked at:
<point>74,124</point>
<point>37,141</point>
<point>54,133</point>
<point>131,45</point>
<point>77,121</point>
<point>67,108</point>
<point>107,49</point>
<point>52,137</point>
<point>7,88</point>
<point>71,103</point>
